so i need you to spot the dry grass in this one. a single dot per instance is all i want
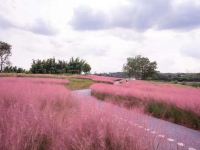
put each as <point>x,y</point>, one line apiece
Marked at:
<point>77,84</point>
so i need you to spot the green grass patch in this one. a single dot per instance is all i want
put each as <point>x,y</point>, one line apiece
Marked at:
<point>99,96</point>
<point>78,84</point>
<point>177,83</point>
<point>193,84</point>
<point>128,102</point>
<point>174,114</point>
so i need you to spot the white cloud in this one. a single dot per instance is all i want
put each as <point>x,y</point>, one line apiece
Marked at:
<point>41,29</point>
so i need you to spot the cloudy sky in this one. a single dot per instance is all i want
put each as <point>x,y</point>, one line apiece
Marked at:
<point>104,32</point>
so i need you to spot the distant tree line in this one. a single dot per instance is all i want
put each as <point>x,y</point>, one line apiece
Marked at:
<point>168,77</point>
<point>51,66</point>
<point>179,77</point>
<point>114,74</point>
<point>138,67</point>
<point>13,69</point>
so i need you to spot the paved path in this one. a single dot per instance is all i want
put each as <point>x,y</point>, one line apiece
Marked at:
<point>173,135</point>
<point>85,92</point>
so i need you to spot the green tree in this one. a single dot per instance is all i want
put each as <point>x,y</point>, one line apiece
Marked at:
<point>5,53</point>
<point>61,67</point>
<point>13,69</point>
<point>51,66</point>
<point>86,68</point>
<point>140,67</point>
<point>75,65</point>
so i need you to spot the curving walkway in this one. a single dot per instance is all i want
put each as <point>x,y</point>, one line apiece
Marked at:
<point>168,135</point>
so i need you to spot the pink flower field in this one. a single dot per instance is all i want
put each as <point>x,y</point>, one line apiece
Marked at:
<point>99,78</point>
<point>187,98</point>
<point>41,114</point>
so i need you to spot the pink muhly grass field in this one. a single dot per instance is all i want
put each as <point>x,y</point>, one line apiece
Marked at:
<point>33,80</point>
<point>41,114</point>
<point>183,97</point>
<point>99,78</point>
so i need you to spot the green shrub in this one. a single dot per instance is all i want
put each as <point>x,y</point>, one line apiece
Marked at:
<point>174,114</point>
<point>195,84</point>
